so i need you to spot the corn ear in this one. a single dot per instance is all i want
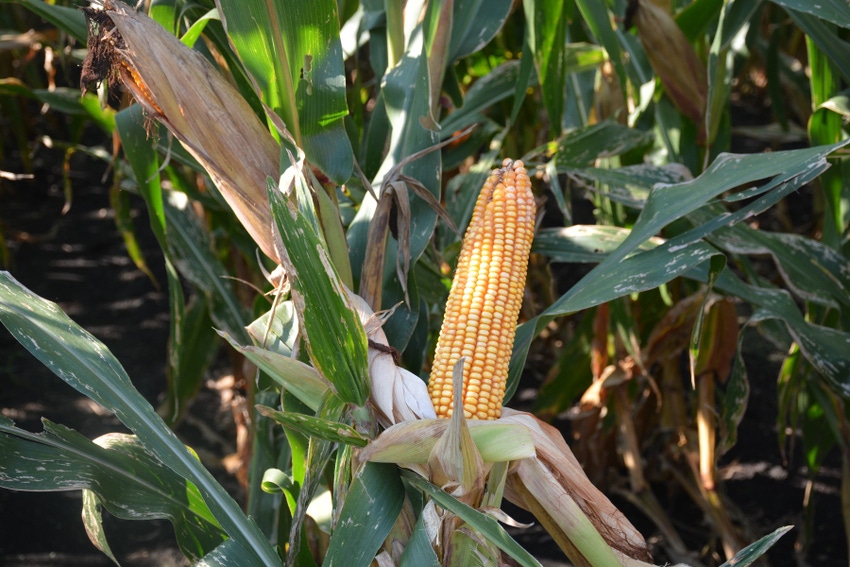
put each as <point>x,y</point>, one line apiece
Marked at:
<point>178,87</point>
<point>486,295</point>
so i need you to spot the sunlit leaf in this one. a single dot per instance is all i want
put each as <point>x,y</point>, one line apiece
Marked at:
<point>87,365</point>
<point>334,336</point>
<point>293,52</point>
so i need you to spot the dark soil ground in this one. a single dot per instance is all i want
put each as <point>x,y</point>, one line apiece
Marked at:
<point>79,261</point>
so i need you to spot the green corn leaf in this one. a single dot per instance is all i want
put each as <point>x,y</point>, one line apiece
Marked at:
<point>418,551</point>
<point>581,147</point>
<point>825,37</point>
<point>294,54</point>
<point>728,171</point>
<point>546,26</point>
<point>310,426</point>
<point>336,340</point>
<point>811,270</point>
<point>198,26</point>
<point>734,403</point>
<point>699,333</point>
<point>65,18</point>
<point>827,127</point>
<point>826,349</point>
<point>229,554</point>
<point>599,21</point>
<point>196,352</point>
<point>497,85</point>
<point>120,202</point>
<point>191,250</point>
<point>318,457</point>
<point>695,18</point>
<point>120,473</point>
<point>93,522</point>
<point>475,23</point>
<point>63,99</point>
<point>484,525</point>
<point>835,11</point>
<point>371,507</point>
<point>268,450</point>
<point>755,550</point>
<point>145,165</point>
<point>87,365</point>
<point>628,185</point>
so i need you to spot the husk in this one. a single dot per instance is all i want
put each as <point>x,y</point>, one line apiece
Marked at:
<point>675,62</point>
<point>554,477</point>
<point>180,89</point>
<point>411,442</point>
<point>397,394</point>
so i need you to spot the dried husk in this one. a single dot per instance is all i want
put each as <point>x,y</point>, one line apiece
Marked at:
<point>675,62</point>
<point>556,480</point>
<point>179,88</point>
<point>397,394</point>
<point>609,101</point>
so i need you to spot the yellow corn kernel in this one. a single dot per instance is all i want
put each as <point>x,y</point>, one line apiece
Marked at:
<point>486,295</point>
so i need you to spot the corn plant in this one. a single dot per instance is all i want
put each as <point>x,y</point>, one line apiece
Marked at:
<point>333,147</point>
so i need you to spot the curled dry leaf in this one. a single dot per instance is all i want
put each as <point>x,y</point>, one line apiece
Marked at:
<point>178,87</point>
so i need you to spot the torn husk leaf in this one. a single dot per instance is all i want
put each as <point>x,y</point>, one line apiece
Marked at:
<point>455,459</point>
<point>559,485</point>
<point>411,442</point>
<point>178,87</point>
<point>398,394</point>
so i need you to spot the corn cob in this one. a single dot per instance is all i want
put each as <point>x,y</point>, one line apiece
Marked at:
<point>486,295</point>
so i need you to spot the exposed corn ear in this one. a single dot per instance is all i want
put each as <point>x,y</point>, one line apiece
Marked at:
<point>486,295</point>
